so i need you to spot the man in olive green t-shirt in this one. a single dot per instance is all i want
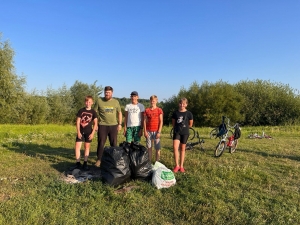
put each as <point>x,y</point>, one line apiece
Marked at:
<point>109,119</point>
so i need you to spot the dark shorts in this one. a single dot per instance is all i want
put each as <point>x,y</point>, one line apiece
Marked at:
<point>84,138</point>
<point>183,138</point>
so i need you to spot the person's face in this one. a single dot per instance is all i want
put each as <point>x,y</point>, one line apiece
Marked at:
<point>88,103</point>
<point>182,105</point>
<point>153,102</point>
<point>108,95</point>
<point>134,98</point>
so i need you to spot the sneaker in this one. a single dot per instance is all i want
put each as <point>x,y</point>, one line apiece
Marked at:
<point>182,170</point>
<point>97,164</point>
<point>76,166</point>
<point>85,167</point>
<point>176,169</point>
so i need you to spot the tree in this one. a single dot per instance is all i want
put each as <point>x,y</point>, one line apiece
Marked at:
<point>268,103</point>
<point>61,105</point>
<point>208,103</point>
<point>11,86</point>
<point>79,90</point>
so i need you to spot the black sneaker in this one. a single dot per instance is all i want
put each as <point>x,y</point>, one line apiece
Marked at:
<point>76,166</point>
<point>85,167</point>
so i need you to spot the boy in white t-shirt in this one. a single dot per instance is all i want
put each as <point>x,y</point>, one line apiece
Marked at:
<point>134,117</point>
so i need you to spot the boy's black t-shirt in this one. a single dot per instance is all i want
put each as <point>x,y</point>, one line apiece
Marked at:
<point>86,119</point>
<point>182,122</point>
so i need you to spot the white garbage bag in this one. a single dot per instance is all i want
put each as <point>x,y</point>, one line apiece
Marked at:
<point>162,177</point>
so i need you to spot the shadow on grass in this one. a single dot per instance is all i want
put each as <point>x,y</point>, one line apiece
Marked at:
<point>60,158</point>
<point>266,154</point>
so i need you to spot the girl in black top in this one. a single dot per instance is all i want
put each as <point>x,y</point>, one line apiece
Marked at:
<point>182,120</point>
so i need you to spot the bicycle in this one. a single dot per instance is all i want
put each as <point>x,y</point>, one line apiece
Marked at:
<point>191,145</point>
<point>191,135</point>
<point>213,133</point>
<point>232,140</point>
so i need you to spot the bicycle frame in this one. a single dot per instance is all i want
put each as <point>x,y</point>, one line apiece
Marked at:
<point>190,145</point>
<point>223,143</point>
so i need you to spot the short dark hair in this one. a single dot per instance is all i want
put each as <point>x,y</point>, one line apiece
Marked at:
<point>108,88</point>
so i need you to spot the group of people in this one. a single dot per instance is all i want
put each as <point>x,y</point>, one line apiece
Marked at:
<point>106,117</point>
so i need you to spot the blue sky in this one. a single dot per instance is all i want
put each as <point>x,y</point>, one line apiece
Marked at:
<point>153,47</point>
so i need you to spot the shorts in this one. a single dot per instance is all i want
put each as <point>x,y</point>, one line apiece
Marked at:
<point>132,134</point>
<point>152,136</point>
<point>183,138</point>
<point>84,138</point>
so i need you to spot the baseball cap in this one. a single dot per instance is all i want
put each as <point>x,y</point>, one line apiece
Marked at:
<point>134,93</point>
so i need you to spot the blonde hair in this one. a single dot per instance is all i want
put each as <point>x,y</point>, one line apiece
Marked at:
<point>183,100</point>
<point>153,97</point>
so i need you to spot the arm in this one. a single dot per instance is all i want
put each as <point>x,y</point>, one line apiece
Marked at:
<point>78,128</point>
<point>142,124</point>
<point>120,120</point>
<point>145,126</point>
<point>95,127</point>
<point>191,123</point>
<point>125,122</point>
<point>173,123</point>
<point>160,125</point>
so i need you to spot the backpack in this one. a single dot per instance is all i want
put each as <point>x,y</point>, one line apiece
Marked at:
<point>222,130</point>
<point>237,132</point>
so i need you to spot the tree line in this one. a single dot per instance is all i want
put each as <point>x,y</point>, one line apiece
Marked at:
<point>249,102</point>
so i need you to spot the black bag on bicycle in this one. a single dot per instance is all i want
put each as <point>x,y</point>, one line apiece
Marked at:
<point>222,130</point>
<point>237,132</point>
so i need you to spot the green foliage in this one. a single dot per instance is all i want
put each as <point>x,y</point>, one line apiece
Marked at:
<point>169,106</point>
<point>37,109</point>
<point>11,86</point>
<point>80,90</point>
<point>269,103</point>
<point>208,103</point>
<point>61,106</point>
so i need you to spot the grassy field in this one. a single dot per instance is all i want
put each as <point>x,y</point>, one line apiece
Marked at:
<point>258,184</point>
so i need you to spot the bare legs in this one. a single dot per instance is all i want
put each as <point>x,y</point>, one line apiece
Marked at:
<point>176,147</point>
<point>86,151</point>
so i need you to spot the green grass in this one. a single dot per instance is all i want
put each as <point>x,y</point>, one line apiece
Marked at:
<point>258,184</point>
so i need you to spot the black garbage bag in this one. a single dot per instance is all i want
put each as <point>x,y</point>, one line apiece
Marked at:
<point>114,166</point>
<point>141,168</point>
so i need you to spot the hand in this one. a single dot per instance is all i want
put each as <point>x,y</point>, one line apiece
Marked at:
<point>141,132</point>
<point>91,136</point>
<point>119,127</point>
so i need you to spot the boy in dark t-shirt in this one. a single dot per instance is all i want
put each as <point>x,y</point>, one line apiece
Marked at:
<point>86,126</point>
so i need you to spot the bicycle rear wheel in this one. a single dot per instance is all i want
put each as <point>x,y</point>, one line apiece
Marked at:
<point>213,133</point>
<point>192,133</point>
<point>220,148</point>
<point>232,148</point>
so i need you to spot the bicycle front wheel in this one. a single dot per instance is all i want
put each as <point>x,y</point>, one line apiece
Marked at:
<point>220,148</point>
<point>232,148</point>
<point>213,133</point>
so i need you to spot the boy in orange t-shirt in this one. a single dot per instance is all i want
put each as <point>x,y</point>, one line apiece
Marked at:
<point>153,122</point>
